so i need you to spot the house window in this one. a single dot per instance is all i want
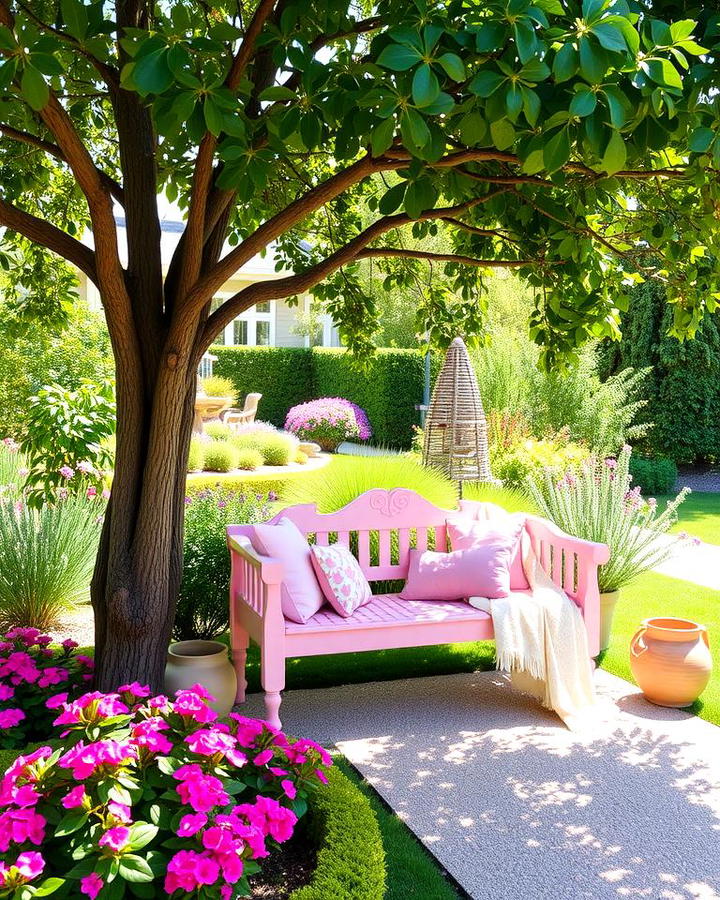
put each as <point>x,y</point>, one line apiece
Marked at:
<point>262,334</point>
<point>254,328</point>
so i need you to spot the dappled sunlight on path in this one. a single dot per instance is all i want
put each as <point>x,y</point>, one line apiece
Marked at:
<point>514,804</point>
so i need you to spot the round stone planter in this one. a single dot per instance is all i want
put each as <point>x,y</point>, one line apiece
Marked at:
<point>608,602</point>
<point>205,663</point>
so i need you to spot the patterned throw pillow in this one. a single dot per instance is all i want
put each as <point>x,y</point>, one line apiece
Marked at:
<point>341,578</point>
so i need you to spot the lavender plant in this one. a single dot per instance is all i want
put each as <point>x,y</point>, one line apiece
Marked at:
<point>597,503</point>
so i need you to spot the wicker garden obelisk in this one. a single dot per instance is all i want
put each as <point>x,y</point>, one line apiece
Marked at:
<point>455,428</point>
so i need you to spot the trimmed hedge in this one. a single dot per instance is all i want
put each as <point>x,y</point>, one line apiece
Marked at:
<point>247,483</point>
<point>388,389</point>
<point>351,857</point>
<point>283,375</point>
<point>654,476</point>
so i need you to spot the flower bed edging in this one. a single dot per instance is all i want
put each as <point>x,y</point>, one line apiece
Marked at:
<point>350,856</point>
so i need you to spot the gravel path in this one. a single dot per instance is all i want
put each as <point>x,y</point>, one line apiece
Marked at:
<point>703,480</point>
<point>513,804</point>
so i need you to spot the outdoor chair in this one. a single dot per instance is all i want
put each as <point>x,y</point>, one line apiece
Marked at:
<point>245,416</point>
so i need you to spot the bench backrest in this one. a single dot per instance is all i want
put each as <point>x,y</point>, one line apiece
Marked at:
<point>379,526</point>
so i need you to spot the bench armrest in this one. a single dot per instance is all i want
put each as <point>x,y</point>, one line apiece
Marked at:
<point>270,570</point>
<point>255,581</point>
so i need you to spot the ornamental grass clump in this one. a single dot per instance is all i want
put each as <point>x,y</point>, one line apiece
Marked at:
<point>328,422</point>
<point>596,502</point>
<point>149,796</point>
<point>47,555</point>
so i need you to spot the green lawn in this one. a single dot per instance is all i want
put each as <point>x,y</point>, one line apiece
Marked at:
<point>412,873</point>
<point>699,515</point>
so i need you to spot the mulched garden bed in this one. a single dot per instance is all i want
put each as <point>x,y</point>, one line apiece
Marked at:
<point>289,868</point>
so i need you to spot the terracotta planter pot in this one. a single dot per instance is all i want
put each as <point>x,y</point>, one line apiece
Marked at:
<point>670,660</point>
<point>205,663</point>
<point>608,601</point>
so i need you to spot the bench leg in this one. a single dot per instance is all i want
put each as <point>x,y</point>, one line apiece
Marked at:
<point>273,681</point>
<point>239,639</point>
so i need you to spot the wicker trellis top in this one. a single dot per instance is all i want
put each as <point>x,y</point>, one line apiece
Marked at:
<point>455,426</point>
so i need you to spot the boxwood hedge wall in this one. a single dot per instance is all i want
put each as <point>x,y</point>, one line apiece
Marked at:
<point>388,390</point>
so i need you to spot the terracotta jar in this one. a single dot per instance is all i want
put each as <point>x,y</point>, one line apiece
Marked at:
<point>205,663</point>
<point>670,660</point>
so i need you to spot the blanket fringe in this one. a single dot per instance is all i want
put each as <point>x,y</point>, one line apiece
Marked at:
<point>510,661</point>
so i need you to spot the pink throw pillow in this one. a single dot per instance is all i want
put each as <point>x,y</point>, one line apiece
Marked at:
<point>341,579</point>
<point>464,532</point>
<point>300,592</point>
<point>482,571</point>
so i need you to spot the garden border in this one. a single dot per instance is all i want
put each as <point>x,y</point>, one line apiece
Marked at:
<point>350,854</point>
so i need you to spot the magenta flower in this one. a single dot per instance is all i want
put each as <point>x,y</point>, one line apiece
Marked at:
<point>191,824</point>
<point>91,885</point>
<point>91,492</point>
<point>140,691</point>
<point>270,817</point>
<point>6,692</point>
<point>28,866</point>
<point>200,791</point>
<point>208,743</point>
<point>75,798</point>
<point>119,811</point>
<point>148,734</point>
<point>53,675</point>
<point>66,472</point>
<point>69,644</point>
<point>115,839</point>
<point>20,825</point>
<point>188,870</point>
<point>9,718</point>
<point>190,704</point>
<point>84,760</point>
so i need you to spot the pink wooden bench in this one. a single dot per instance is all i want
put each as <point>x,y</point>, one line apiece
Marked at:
<point>386,622</point>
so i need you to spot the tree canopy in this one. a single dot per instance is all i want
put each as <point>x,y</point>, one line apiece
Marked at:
<point>573,142</point>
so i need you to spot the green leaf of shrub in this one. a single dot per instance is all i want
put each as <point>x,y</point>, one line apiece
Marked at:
<point>134,868</point>
<point>583,103</point>
<point>75,17</point>
<point>502,133</point>
<point>277,92</point>
<point>566,63</point>
<point>151,72</point>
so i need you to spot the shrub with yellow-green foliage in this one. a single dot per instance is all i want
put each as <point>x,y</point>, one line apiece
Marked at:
<point>220,456</point>
<point>249,459</point>
<point>217,386</point>
<point>196,457</point>
<point>532,457</point>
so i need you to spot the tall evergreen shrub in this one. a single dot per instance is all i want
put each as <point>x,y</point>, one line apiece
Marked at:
<point>683,389</point>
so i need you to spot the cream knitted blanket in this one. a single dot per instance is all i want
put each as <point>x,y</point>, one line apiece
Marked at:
<point>541,641</point>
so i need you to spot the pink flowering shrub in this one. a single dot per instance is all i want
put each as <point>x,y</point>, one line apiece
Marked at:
<point>30,672</point>
<point>328,422</point>
<point>150,796</point>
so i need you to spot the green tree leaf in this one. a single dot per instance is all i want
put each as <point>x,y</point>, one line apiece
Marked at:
<point>593,61</point>
<point>663,72</point>
<point>615,154</point>
<point>382,136</point>
<point>502,133</point>
<point>566,63</point>
<point>701,139</point>
<point>583,103</point>
<point>452,64</point>
<point>75,17</point>
<point>490,37</point>
<point>525,40</point>
<point>414,130</point>
<point>392,198</point>
<point>277,92</point>
<point>34,88</point>
<point>425,86</point>
<point>399,57</point>
<point>486,83</point>
<point>151,72</point>
<point>611,38</point>
<point>134,868</point>
<point>557,151</point>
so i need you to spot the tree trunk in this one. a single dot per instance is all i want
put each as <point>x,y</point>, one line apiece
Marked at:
<point>139,563</point>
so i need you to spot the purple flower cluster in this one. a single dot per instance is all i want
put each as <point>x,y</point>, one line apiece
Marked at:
<point>328,422</point>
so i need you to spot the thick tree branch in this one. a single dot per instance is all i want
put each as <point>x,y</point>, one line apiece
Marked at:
<point>444,257</point>
<point>32,140</point>
<point>303,281</point>
<point>42,232</point>
<point>247,48</point>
